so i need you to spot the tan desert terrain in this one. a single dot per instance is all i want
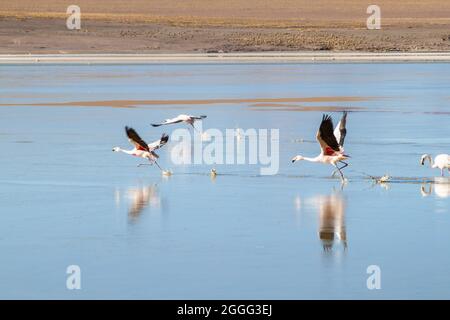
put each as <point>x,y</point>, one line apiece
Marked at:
<point>171,26</point>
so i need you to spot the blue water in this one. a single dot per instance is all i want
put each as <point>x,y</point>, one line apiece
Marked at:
<point>66,199</point>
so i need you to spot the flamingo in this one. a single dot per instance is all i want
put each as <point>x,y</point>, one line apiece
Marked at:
<point>441,161</point>
<point>332,144</point>
<point>141,148</point>
<point>180,118</point>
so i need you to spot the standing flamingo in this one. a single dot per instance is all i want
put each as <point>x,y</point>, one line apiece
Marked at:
<point>331,144</point>
<point>441,161</point>
<point>141,148</point>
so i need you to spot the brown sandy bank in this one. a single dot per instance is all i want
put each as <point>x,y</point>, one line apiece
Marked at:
<point>173,26</point>
<point>134,103</point>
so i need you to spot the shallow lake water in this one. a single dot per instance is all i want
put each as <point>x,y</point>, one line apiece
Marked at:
<point>67,199</point>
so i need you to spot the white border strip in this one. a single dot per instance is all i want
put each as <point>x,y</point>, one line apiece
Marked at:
<point>280,57</point>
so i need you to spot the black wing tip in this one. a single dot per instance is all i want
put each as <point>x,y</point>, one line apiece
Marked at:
<point>128,129</point>
<point>155,124</point>
<point>203,116</point>
<point>344,114</point>
<point>326,117</point>
<point>164,138</point>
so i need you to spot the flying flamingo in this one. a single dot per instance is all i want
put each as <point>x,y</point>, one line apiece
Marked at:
<point>180,118</point>
<point>331,143</point>
<point>441,161</point>
<point>141,148</point>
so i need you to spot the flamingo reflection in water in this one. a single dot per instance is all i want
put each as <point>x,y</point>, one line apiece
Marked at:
<point>440,186</point>
<point>332,221</point>
<point>331,214</point>
<point>140,198</point>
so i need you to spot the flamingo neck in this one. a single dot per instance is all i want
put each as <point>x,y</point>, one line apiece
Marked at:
<point>126,151</point>
<point>426,157</point>
<point>315,159</point>
<point>431,161</point>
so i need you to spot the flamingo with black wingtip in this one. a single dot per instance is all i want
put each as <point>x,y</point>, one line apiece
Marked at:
<point>141,148</point>
<point>331,144</point>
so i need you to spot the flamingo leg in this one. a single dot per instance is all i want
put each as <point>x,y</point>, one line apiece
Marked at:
<point>345,165</point>
<point>340,172</point>
<point>195,129</point>
<point>150,164</point>
<point>158,166</point>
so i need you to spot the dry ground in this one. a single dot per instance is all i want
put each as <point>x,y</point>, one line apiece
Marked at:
<point>156,26</point>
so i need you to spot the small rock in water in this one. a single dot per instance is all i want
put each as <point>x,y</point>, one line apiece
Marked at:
<point>384,178</point>
<point>167,173</point>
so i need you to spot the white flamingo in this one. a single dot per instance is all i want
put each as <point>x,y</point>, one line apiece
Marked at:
<point>141,148</point>
<point>331,142</point>
<point>441,161</point>
<point>180,118</point>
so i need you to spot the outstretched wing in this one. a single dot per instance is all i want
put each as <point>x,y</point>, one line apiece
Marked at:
<point>168,121</point>
<point>136,140</point>
<point>158,143</point>
<point>199,117</point>
<point>326,138</point>
<point>340,131</point>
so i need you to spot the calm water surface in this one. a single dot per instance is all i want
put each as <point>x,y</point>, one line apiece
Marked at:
<point>66,199</point>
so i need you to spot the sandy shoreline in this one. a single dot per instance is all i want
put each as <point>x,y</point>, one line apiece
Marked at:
<point>200,58</point>
<point>203,26</point>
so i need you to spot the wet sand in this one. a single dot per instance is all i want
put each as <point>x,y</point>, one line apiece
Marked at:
<point>139,26</point>
<point>132,103</point>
